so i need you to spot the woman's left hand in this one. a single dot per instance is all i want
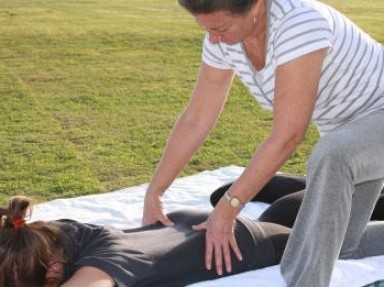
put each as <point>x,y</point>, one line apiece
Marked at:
<point>220,238</point>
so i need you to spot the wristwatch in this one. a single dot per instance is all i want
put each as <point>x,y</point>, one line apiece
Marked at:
<point>234,201</point>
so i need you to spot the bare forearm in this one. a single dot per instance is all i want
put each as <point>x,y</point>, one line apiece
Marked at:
<point>193,126</point>
<point>292,112</point>
<point>88,276</point>
<point>185,139</point>
<point>266,161</point>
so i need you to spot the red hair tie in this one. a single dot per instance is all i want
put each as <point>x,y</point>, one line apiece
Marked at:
<point>17,223</point>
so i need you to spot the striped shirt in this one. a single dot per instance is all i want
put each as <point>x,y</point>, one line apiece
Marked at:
<point>352,76</point>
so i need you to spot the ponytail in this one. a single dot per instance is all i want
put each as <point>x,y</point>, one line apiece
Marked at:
<point>25,249</point>
<point>15,214</point>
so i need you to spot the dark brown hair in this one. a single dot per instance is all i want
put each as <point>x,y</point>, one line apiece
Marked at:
<point>209,6</point>
<point>25,249</point>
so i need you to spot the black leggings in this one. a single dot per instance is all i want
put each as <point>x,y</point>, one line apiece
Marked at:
<point>285,193</point>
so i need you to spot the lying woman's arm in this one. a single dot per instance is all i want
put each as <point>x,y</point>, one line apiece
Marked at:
<point>88,276</point>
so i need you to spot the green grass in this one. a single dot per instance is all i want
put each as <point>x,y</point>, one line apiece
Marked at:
<point>89,91</point>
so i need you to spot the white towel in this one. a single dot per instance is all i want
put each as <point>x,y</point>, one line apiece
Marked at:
<point>123,209</point>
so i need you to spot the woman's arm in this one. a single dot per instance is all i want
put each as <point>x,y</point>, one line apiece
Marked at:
<point>189,133</point>
<point>88,276</point>
<point>295,95</point>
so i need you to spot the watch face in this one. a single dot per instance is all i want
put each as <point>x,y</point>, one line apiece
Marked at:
<point>234,202</point>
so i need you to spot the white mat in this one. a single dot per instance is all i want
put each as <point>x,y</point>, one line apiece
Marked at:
<point>123,209</point>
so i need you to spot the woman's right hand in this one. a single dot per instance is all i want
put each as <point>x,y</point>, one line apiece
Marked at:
<point>188,134</point>
<point>153,211</point>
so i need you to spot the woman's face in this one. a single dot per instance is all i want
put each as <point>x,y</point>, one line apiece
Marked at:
<point>54,274</point>
<point>226,27</point>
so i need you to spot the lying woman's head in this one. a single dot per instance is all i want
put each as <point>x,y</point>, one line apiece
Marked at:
<point>209,6</point>
<point>26,250</point>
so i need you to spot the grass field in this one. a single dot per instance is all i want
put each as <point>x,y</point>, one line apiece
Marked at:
<point>89,90</point>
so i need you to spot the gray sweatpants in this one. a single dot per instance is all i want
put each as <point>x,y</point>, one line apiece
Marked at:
<point>345,177</point>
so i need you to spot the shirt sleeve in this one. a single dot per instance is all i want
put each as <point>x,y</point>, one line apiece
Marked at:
<point>213,55</point>
<point>301,32</point>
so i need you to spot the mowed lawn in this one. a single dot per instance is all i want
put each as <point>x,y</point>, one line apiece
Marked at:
<point>90,89</point>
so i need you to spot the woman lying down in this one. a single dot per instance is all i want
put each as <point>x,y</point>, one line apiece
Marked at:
<point>68,253</point>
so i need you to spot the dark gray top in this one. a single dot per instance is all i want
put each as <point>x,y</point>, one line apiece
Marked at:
<point>165,256</point>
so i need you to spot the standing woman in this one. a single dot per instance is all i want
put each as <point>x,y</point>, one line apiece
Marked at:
<point>305,62</point>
